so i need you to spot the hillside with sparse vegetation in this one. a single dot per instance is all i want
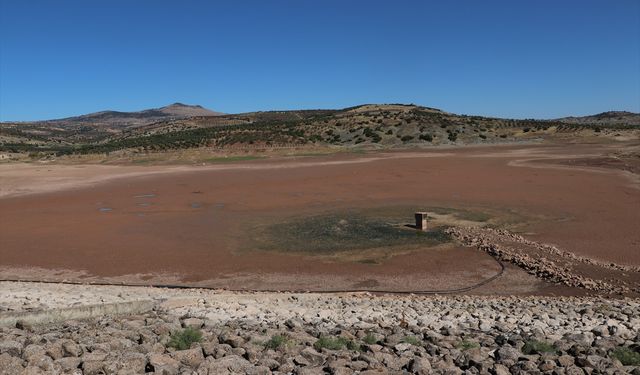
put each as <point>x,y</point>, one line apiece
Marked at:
<point>372,125</point>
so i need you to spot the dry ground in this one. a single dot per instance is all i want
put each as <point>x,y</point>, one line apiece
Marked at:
<point>190,225</point>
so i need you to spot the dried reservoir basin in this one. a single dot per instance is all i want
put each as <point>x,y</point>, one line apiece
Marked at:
<point>227,226</point>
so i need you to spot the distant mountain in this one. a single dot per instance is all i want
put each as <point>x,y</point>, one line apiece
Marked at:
<point>174,111</point>
<point>605,118</point>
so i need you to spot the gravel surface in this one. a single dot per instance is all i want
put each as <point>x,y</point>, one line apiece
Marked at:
<point>310,333</point>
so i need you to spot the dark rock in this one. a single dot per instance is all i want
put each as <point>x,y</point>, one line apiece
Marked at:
<point>507,355</point>
<point>190,357</point>
<point>420,366</point>
<point>68,364</point>
<point>13,348</point>
<point>162,363</point>
<point>313,357</point>
<point>231,364</point>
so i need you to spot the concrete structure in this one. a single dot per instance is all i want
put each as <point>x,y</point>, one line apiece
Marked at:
<point>421,221</point>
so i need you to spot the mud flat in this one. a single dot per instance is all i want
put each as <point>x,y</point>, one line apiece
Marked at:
<point>191,225</point>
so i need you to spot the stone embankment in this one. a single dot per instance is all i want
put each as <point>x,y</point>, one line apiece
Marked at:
<point>307,333</point>
<point>550,263</point>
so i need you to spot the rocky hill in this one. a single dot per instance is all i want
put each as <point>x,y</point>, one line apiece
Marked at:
<point>606,118</point>
<point>116,118</point>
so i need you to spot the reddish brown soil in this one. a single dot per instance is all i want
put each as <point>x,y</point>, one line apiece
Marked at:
<point>193,225</point>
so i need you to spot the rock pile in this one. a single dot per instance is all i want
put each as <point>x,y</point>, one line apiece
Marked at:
<point>271,333</point>
<point>545,261</point>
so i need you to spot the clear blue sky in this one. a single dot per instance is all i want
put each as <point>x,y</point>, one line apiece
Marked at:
<point>518,59</point>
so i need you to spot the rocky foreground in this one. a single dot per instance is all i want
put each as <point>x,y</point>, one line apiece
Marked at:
<point>209,332</point>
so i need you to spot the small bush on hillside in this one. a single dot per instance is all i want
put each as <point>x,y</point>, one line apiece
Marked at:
<point>335,343</point>
<point>626,356</point>
<point>277,341</point>
<point>370,339</point>
<point>182,340</point>
<point>466,345</point>
<point>537,347</point>
<point>426,137</point>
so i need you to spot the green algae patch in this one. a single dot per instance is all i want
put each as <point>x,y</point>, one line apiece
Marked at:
<point>329,234</point>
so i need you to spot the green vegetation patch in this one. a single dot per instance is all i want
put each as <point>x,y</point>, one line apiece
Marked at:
<point>626,356</point>
<point>182,340</point>
<point>328,234</point>
<point>277,342</point>
<point>467,345</point>
<point>370,339</point>
<point>537,347</point>
<point>335,343</point>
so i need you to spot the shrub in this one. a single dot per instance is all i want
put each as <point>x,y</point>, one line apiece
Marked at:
<point>466,345</point>
<point>370,339</point>
<point>406,138</point>
<point>368,132</point>
<point>411,340</point>
<point>426,137</point>
<point>537,347</point>
<point>276,342</point>
<point>182,340</point>
<point>335,343</point>
<point>626,356</point>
